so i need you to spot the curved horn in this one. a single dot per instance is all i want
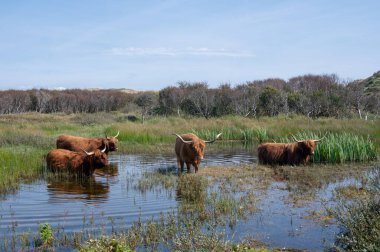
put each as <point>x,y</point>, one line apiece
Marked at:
<point>217,136</point>
<point>187,142</point>
<point>88,153</point>
<point>317,140</point>
<point>118,132</point>
<point>295,139</point>
<point>105,147</point>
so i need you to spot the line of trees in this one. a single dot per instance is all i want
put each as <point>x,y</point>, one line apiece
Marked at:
<point>68,101</point>
<point>309,95</point>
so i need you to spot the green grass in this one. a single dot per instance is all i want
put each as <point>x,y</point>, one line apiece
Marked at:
<point>339,148</point>
<point>19,163</point>
<point>26,138</point>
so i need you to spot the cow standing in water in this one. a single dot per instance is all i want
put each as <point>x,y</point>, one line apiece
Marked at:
<point>295,153</point>
<point>76,162</point>
<point>75,143</point>
<point>190,150</point>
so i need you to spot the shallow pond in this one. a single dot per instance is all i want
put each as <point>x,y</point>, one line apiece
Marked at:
<point>111,200</point>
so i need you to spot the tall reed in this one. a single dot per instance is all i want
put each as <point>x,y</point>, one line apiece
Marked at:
<point>339,147</point>
<point>19,163</point>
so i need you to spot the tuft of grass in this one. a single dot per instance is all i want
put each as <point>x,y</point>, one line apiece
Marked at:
<point>192,188</point>
<point>107,244</point>
<point>46,233</point>
<point>352,192</point>
<point>248,135</point>
<point>261,135</point>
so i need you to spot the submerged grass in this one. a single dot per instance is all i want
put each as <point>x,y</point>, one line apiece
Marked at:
<point>166,179</point>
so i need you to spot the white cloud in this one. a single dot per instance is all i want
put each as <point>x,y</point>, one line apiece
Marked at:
<point>59,88</point>
<point>190,51</point>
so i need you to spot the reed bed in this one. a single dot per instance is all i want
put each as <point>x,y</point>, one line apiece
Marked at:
<point>339,148</point>
<point>17,164</point>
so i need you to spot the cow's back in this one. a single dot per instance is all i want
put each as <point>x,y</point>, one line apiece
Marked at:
<point>76,143</point>
<point>272,153</point>
<point>59,159</point>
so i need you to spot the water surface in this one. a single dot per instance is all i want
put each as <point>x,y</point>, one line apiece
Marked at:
<point>110,200</point>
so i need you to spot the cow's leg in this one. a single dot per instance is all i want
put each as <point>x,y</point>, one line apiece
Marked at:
<point>196,167</point>
<point>180,165</point>
<point>306,160</point>
<point>188,165</point>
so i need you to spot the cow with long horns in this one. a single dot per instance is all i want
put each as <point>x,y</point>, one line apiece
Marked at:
<point>76,143</point>
<point>295,153</point>
<point>190,150</point>
<point>76,162</point>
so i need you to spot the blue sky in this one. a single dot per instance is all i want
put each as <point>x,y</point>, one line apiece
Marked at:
<point>148,45</point>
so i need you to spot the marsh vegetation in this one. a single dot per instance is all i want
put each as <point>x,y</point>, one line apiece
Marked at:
<point>210,206</point>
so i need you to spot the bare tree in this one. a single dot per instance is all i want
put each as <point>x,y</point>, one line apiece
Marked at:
<point>245,100</point>
<point>145,101</point>
<point>202,98</point>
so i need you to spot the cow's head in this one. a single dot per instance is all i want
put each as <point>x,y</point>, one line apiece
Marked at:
<point>98,157</point>
<point>308,146</point>
<point>111,142</point>
<point>197,145</point>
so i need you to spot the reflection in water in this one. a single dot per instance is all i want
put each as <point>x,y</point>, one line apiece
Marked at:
<point>91,189</point>
<point>76,188</point>
<point>111,170</point>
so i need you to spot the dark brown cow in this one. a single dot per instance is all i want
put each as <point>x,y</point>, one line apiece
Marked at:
<point>75,143</point>
<point>190,150</point>
<point>286,153</point>
<point>78,162</point>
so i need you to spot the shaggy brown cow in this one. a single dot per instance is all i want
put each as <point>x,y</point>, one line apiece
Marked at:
<point>75,143</point>
<point>80,162</point>
<point>286,153</point>
<point>190,150</point>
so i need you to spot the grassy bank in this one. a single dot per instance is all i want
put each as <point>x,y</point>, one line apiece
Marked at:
<point>31,135</point>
